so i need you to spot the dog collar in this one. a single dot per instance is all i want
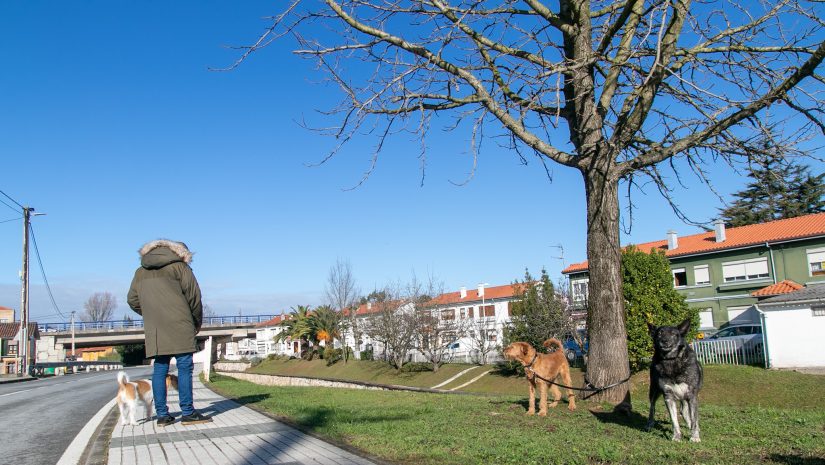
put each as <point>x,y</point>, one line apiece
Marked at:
<point>532,361</point>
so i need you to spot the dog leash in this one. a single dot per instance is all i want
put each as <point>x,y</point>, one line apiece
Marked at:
<point>593,389</point>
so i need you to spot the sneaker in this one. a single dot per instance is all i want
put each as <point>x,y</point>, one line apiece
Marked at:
<point>194,419</point>
<point>166,421</point>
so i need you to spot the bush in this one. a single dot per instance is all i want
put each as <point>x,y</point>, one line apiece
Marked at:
<point>367,355</point>
<point>649,296</point>
<point>255,361</point>
<point>333,355</point>
<point>312,353</point>
<point>416,367</point>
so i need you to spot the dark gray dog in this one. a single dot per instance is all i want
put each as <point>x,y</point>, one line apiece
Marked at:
<point>676,373</point>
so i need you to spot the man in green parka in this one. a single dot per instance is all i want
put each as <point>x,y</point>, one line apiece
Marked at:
<point>165,291</point>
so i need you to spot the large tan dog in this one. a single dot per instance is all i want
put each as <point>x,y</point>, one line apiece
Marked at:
<point>548,366</point>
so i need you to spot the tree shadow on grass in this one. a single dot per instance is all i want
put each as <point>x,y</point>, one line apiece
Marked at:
<point>796,459</point>
<point>632,419</point>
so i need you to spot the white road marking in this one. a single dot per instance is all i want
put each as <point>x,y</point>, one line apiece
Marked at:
<point>50,385</point>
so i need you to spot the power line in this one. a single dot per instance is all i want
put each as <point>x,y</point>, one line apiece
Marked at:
<point>4,203</point>
<point>15,201</point>
<point>13,219</point>
<point>43,272</point>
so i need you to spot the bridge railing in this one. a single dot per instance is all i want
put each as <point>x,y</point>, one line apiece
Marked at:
<point>133,324</point>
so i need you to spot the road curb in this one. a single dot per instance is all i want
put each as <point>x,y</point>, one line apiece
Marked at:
<point>16,380</point>
<point>97,450</point>
<point>76,449</point>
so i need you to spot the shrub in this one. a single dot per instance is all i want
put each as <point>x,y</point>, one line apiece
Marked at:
<point>333,355</point>
<point>416,367</point>
<point>367,355</point>
<point>255,361</point>
<point>650,297</point>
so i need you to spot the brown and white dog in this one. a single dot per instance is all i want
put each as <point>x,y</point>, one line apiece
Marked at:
<point>540,367</point>
<point>130,393</point>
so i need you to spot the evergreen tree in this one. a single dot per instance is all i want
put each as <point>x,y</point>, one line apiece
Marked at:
<point>538,313</point>
<point>779,189</point>
<point>647,284</point>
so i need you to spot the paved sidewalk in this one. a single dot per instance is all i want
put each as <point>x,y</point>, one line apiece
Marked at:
<point>238,435</point>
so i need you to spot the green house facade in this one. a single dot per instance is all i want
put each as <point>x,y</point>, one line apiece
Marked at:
<point>719,271</point>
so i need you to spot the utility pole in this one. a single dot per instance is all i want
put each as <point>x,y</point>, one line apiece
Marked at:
<point>23,350</point>
<point>73,355</point>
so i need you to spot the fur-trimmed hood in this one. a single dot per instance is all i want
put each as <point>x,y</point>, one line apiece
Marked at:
<point>159,253</point>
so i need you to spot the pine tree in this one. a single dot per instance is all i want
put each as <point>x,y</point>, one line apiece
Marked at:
<point>779,189</point>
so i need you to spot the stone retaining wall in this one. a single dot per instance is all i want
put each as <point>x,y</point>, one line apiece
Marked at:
<point>275,380</point>
<point>231,366</point>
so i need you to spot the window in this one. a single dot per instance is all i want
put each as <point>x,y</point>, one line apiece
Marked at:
<point>12,348</point>
<point>701,275</point>
<point>579,289</point>
<point>816,262</point>
<point>492,335</point>
<point>818,310</point>
<point>470,312</point>
<point>463,313</point>
<point>487,310</point>
<point>679,277</point>
<point>448,314</point>
<point>706,318</point>
<point>745,270</point>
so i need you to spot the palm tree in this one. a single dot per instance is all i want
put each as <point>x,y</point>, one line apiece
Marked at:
<point>326,324</point>
<point>297,326</point>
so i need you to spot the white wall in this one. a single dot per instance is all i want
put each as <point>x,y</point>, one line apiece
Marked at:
<point>795,337</point>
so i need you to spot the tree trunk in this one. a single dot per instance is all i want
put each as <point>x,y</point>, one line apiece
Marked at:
<point>608,361</point>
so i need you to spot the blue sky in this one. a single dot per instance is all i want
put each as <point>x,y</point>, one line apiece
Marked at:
<point>112,124</point>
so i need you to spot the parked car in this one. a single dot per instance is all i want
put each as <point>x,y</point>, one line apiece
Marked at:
<point>745,339</point>
<point>572,350</point>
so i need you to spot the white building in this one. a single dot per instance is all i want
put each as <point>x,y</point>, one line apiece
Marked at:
<point>793,326</point>
<point>479,316</point>
<point>265,339</point>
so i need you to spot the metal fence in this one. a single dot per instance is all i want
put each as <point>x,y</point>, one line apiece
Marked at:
<point>132,324</point>
<point>729,352</point>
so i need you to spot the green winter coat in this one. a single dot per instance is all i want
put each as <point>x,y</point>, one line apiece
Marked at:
<point>165,291</point>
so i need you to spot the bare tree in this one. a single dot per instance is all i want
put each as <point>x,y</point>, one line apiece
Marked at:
<point>341,293</point>
<point>618,90</point>
<point>483,337</point>
<point>393,325</point>
<point>99,307</point>
<point>208,311</point>
<point>436,326</point>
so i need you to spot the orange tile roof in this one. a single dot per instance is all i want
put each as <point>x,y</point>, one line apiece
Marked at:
<point>490,293</point>
<point>273,322</point>
<point>784,287</point>
<point>801,227</point>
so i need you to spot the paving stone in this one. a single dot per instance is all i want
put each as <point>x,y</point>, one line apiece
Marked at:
<point>237,435</point>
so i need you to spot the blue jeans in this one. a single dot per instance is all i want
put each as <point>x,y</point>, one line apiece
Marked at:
<point>184,362</point>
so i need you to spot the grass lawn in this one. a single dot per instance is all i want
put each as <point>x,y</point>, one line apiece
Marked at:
<point>747,415</point>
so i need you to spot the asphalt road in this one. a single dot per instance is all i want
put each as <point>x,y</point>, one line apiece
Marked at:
<point>39,419</point>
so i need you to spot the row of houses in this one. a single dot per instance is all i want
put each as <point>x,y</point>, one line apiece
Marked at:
<point>483,309</point>
<point>729,275</point>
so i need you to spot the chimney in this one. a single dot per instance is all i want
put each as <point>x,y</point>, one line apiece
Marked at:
<point>369,305</point>
<point>719,229</point>
<point>481,289</point>
<point>672,240</point>
<point>463,291</point>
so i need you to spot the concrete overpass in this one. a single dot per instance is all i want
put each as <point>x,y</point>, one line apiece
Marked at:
<point>55,338</point>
